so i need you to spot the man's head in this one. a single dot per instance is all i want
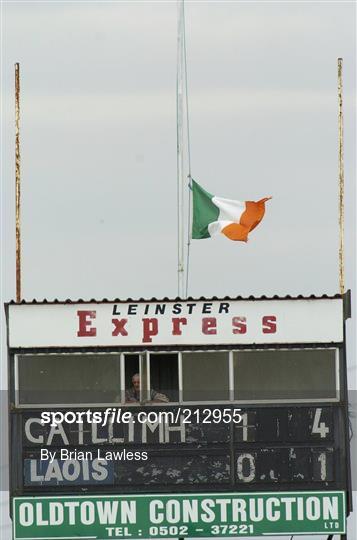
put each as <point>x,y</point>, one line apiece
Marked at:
<point>136,382</point>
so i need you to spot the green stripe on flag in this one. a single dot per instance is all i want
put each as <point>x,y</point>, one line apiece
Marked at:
<point>204,211</point>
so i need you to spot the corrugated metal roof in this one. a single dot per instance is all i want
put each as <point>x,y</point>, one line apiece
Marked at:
<point>176,299</point>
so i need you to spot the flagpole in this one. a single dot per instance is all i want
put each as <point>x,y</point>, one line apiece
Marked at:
<point>180,151</point>
<point>189,177</point>
<point>341,176</point>
<point>17,182</point>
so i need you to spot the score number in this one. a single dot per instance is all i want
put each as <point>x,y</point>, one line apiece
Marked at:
<point>270,465</point>
<point>298,424</point>
<point>319,427</point>
<point>286,463</point>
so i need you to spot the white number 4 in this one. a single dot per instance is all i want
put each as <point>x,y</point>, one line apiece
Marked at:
<point>320,427</point>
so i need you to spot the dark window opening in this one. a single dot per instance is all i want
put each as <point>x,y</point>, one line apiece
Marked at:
<point>164,377</point>
<point>133,378</point>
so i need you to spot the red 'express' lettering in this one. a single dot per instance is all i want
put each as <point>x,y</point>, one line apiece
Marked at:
<point>150,328</point>
<point>119,327</point>
<point>269,324</point>
<point>85,327</point>
<point>209,325</point>
<point>239,325</point>
<point>176,325</point>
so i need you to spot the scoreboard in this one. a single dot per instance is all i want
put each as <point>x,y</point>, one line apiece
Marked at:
<point>270,446</point>
<point>247,398</point>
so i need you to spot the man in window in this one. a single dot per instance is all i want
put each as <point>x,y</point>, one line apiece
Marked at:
<point>133,394</point>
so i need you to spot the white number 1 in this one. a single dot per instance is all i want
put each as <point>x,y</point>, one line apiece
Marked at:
<point>323,462</point>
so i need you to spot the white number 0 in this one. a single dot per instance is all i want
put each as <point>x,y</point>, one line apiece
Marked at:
<point>320,427</point>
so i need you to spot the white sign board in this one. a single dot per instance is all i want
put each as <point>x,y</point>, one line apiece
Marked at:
<point>146,324</point>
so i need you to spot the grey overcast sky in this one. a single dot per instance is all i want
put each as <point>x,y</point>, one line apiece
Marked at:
<point>98,136</point>
<point>99,144</point>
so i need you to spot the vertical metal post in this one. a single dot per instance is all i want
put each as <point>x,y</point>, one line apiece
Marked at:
<point>180,150</point>
<point>341,176</point>
<point>17,182</point>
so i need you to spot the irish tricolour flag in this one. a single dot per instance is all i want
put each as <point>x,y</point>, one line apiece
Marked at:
<point>213,215</point>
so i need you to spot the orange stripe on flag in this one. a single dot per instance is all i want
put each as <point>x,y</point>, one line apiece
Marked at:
<point>251,217</point>
<point>234,231</point>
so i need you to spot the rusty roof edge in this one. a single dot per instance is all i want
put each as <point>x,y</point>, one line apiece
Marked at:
<point>252,298</point>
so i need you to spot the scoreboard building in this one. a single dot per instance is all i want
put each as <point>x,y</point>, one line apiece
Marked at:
<point>172,419</point>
